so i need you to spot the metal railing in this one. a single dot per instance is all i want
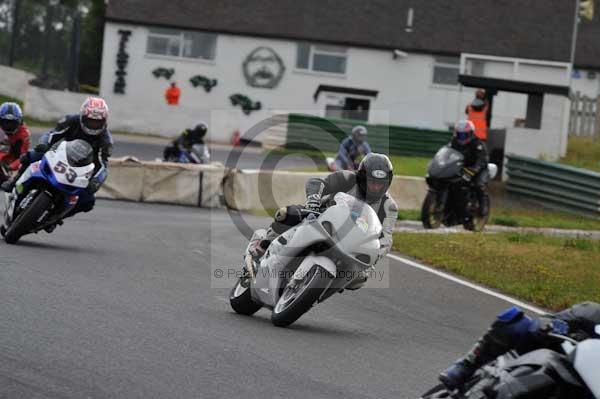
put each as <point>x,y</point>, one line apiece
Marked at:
<point>307,132</point>
<point>554,185</point>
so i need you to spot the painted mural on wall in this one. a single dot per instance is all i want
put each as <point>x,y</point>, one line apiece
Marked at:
<point>163,73</point>
<point>122,61</point>
<point>247,105</point>
<point>263,68</point>
<point>203,81</point>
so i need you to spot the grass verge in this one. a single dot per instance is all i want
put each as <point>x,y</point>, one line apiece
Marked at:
<point>583,153</point>
<point>551,272</point>
<point>538,218</point>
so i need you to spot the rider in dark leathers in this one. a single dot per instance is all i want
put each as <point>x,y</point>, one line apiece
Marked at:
<point>89,125</point>
<point>186,140</point>
<point>476,160</point>
<point>513,330</point>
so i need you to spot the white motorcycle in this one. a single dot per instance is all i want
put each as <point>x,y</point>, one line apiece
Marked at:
<point>324,254</point>
<point>48,190</point>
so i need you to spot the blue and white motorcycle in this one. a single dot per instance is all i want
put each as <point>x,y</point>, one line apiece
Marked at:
<point>48,190</point>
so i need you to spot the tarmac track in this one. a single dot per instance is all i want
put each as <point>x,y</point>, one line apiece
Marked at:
<point>119,303</point>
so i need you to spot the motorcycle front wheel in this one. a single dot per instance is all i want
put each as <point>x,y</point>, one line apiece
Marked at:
<point>28,218</point>
<point>477,223</point>
<point>299,296</point>
<point>431,215</point>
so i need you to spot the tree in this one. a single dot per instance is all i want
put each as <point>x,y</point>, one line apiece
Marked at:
<point>91,43</point>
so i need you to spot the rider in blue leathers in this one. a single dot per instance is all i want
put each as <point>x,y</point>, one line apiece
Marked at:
<point>351,148</point>
<point>513,330</point>
<point>89,125</point>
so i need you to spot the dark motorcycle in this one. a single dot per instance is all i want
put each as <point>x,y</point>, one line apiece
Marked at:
<point>570,372</point>
<point>198,154</point>
<point>450,199</point>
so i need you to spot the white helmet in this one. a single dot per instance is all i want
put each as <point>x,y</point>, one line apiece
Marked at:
<point>93,115</point>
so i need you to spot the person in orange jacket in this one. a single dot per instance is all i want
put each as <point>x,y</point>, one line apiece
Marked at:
<point>17,134</point>
<point>477,113</point>
<point>172,94</point>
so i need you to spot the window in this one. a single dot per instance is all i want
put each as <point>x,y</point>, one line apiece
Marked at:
<point>321,58</point>
<point>186,44</point>
<point>445,70</point>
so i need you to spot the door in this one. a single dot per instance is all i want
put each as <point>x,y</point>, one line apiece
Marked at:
<point>356,108</point>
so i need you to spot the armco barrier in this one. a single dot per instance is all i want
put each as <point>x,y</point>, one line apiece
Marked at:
<point>260,190</point>
<point>307,132</point>
<point>171,183</point>
<point>554,185</point>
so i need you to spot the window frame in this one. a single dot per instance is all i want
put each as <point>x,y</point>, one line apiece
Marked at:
<point>312,51</point>
<point>439,62</point>
<point>181,44</point>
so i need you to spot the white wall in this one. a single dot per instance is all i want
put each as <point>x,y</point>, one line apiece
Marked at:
<point>549,142</point>
<point>407,95</point>
<point>14,82</point>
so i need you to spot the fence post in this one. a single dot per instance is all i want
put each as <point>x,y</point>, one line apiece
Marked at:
<point>575,115</point>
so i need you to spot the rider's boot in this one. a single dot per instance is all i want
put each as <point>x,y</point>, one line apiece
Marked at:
<point>511,330</point>
<point>53,227</point>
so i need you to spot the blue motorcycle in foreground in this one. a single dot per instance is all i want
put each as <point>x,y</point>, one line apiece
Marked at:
<point>48,190</point>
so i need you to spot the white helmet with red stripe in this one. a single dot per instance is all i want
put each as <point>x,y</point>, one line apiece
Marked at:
<point>93,115</point>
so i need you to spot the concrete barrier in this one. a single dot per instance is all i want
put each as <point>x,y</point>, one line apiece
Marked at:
<point>125,180</point>
<point>49,105</point>
<point>260,190</point>
<point>158,182</point>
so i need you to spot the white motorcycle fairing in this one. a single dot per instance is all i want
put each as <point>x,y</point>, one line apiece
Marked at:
<point>355,230</point>
<point>587,364</point>
<point>65,173</point>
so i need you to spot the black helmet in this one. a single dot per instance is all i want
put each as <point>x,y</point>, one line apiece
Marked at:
<point>200,128</point>
<point>374,176</point>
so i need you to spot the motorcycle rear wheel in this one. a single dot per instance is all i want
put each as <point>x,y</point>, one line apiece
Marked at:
<point>240,298</point>
<point>431,217</point>
<point>27,219</point>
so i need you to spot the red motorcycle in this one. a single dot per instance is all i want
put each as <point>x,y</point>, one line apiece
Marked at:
<point>4,168</point>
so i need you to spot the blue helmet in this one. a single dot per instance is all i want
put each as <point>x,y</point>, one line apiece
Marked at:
<point>11,117</point>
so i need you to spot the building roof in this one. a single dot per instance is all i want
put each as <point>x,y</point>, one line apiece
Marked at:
<point>538,29</point>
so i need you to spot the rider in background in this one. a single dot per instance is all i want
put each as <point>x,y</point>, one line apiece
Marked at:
<point>89,125</point>
<point>351,148</point>
<point>476,160</point>
<point>513,330</point>
<point>17,134</point>
<point>186,140</point>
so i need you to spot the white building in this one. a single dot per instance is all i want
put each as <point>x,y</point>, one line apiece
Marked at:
<point>384,61</point>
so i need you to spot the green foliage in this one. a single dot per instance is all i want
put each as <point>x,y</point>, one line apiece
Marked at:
<point>92,33</point>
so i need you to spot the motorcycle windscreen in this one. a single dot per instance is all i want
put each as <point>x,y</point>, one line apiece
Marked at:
<point>587,364</point>
<point>361,213</point>
<point>446,163</point>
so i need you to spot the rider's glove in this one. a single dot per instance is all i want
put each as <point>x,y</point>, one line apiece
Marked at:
<point>42,147</point>
<point>94,185</point>
<point>313,202</point>
<point>467,175</point>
